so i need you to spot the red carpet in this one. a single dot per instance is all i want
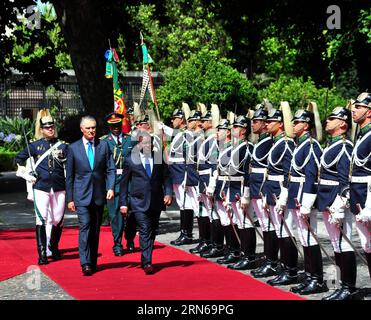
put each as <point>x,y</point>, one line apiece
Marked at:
<point>178,275</point>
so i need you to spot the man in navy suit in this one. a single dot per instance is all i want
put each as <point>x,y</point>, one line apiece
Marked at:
<point>90,172</point>
<point>150,191</point>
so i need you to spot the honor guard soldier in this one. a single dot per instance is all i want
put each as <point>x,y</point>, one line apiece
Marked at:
<point>279,161</point>
<point>239,192</point>
<point>360,175</point>
<point>258,174</point>
<point>208,160</point>
<point>130,113</point>
<point>302,196</point>
<point>332,198</point>
<point>48,156</point>
<point>194,136</point>
<point>120,145</point>
<point>177,168</point>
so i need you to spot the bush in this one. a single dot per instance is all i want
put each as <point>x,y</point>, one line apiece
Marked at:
<point>206,79</point>
<point>7,160</point>
<point>11,133</point>
<point>299,92</point>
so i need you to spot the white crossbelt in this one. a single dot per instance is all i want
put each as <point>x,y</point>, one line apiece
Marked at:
<point>297,179</point>
<point>276,178</point>
<point>206,171</point>
<point>365,179</point>
<point>176,160</point>
<point>328,182</point>
<point>258,170</point>
<point>228,178</point>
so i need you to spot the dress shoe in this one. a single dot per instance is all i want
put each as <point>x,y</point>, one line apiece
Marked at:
<point>196,249</point>
<point>43,260</point>
<point>87,270</point>
<point>213,253</point>
<point>267,270</point>
<point>342,293</point>
<point>184,239</point>
<point>283,279</point>
<point>243,264</point>
<point>303,283</point>
<point>173,242</point>
<point>55,253</point>
<point>130,246</point>
<point>148,269</point>
<point>201,247</point>
<point>314,286</point>
<point>229,258</point>
<point>118,253</point>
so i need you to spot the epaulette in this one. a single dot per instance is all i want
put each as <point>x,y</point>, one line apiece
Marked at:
<point>64,142</point>
<point>103,137</point>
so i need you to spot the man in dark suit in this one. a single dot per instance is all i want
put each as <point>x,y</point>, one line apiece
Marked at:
<point>150,191</point>
<point>90,172</point>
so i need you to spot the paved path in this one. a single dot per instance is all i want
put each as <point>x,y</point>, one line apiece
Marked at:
<point>17,212</point>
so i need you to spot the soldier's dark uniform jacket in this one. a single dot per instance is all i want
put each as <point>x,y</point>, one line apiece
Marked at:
<point>279,162</point>
<point>194,140</point>
<point>361,169</point>
<point>119,153</point>
<point>207,160</point>
<point>50,172</point>
<point>233,169</point>
<point>304,169</point>
<point>177,156</point>
<point>334,173</point>
<point>259,164</point>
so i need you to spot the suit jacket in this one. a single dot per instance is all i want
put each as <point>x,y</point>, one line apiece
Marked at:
<point>145,193</point>
<point>84,185</point>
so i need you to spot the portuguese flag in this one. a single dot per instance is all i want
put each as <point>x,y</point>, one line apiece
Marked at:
<point>118,96</point>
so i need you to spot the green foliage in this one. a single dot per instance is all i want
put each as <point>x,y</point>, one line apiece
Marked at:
<point>7,160</point>
<point>190,26</point>
<point>299,93</point>
<point>11,133</point>
<point>365,23</point>
<point>205,78</point>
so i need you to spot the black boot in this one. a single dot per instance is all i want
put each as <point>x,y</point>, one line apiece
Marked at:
<point>307,277</point>
<point>214,252</point>
<point>188,223</point>
<point>233,253</point>
<point>173,242</point>
<point>268,269</point>
<point>54,241</point>
<point>245,263</point>
<point>316,284</point>
<point>286,277</point>
<point>41,244</point>
<point>204,232</point>
<point>183,239</point>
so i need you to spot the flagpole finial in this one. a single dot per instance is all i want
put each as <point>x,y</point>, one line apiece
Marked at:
<point>109,43</point>
<point>141,37</point>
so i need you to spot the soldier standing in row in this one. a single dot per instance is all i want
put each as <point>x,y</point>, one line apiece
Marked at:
<point>120,145</point>
<point>302,196</point>
<point>49,190</point>
<point>279,161</point>
<point>360,175</point>
<point>332,198</point>
<point>258,174</point>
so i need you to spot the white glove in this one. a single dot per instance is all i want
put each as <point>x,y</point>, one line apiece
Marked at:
<point>340,203</point>
<point>364,215</point>
<point>282,200</point>
<point>337,217</point>
<point>245,199</point>
<point>307,203</point>
<point>210,189</point>
<point>22,172</point>
<point>167,130</point>
<point>160,125</point>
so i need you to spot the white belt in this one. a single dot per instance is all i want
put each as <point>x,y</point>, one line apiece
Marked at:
<point>328,182</point>
<point>276,178</point>
<point>206,171</point>
<point>176,160</point>
<point>228,178</point>
<point>365,179</point>
<point>258,170</point>
<point>297,179</point>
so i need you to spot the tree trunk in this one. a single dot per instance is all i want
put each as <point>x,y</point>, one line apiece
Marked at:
<point>83,30</point>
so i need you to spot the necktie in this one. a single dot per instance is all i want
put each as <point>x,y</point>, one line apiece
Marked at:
<point>118,141</point>
<point>147,166</point>
<point>91,154</point>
